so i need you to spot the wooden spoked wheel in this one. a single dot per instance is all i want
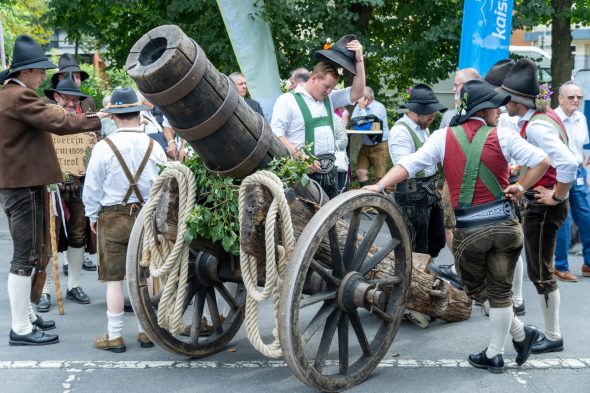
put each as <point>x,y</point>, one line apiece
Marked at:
<point>334,337</point>
<point>200,296</point>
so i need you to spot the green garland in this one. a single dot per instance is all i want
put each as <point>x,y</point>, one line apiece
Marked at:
<point>215,214</point>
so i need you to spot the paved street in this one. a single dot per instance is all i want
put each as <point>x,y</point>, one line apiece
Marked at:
<point>420,360</point>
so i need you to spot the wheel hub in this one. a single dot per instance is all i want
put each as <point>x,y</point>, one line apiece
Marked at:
<point>354,292</point>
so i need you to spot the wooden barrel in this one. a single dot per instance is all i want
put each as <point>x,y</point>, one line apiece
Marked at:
<point>203,106</point>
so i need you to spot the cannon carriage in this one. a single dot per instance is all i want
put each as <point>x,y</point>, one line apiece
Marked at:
<point>344,287</point>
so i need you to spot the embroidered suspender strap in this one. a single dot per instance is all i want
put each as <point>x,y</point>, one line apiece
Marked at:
<point>474,167</point>
<point>311,123</point>
<point>132,181</point>
<point>562,133</point>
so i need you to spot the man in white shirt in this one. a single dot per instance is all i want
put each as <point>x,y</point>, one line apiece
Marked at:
<point>305,115</point>
<point>570,96</point>
<point>546,203</point>
<point>418,195</point>
<point>487,238</point>
<point>373,153</point>
<point>120,174</point>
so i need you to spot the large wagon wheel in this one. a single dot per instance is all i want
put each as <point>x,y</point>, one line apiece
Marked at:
<point>199,294</point>
<point>347,297</point>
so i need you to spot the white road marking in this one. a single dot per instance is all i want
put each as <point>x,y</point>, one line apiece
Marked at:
<point>78,365</point>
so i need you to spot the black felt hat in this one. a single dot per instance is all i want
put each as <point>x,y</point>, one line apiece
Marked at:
<point>65,86</point>
<point>423,101</point>
<point>67,63</point>
<point>339,55</point>
<point>475,96</point>
<point>498,72</point>
<point>28,54</point>
<point>124,101</point>
<point>522,83</point>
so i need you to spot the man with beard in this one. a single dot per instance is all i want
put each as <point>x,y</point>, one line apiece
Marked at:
<point>67,95</point>
<point>547,201</point>
<point>487,239</point>
<point>418,195</point>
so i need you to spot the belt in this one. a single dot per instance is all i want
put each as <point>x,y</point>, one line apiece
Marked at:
<point>127,207</point>
<point>485,214</point>
<point>428,184</point>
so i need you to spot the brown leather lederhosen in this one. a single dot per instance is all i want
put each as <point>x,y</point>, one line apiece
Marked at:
<point>115,222</point>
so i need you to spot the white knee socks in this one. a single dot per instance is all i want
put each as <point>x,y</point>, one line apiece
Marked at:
<point>517,283</point>
<point>75,260</point>
<point>517,329</point>
<point>500,321</point>
<point>115,325</point>
<point>551,315</point>
<point>19,292</point>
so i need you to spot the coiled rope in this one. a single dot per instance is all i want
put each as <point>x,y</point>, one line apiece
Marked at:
<point>275,267</point>
<point>170,265</point>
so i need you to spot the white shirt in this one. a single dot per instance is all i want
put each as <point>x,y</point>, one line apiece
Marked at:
<point>287,119</point>
<point>508,121</point>
<point>511,144</point>
<point>577,132</point>
<point>401,143</point>
<point>106,183</point>
<point>543,135</point>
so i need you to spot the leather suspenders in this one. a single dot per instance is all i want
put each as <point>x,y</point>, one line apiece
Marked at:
<point>132,179</point>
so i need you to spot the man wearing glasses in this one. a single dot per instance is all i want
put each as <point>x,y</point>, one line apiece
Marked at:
<point>570,97</point>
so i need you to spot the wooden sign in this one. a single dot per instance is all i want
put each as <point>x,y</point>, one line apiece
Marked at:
<point>73,151</point>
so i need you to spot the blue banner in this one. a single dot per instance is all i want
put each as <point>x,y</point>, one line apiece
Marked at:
<point>485,36</point>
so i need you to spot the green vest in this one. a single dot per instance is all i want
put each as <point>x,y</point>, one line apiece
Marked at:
<point>311,123</point>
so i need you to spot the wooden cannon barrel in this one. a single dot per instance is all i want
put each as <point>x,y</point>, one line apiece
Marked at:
<point>203,106</point>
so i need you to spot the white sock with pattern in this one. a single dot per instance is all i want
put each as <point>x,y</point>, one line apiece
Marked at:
<point>19,292</point>
<point>500,320</point>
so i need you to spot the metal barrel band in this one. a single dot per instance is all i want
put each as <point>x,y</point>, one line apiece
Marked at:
<point>217,120</point>
<point>251,162</point>
<point>485,214</point>
<point>184,86</point>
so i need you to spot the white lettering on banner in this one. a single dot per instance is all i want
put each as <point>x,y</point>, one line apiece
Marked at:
<point>500,12</point>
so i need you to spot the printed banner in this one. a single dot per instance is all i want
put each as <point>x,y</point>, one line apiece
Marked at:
<point>73,151</point>
<point>252,43</point>
<point>485,35</point>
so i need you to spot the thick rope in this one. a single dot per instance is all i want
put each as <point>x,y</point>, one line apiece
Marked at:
<point>169,264</point>
<point>275,267</point>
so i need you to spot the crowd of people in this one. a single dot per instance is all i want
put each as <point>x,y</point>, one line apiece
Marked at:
<point>498,175</point>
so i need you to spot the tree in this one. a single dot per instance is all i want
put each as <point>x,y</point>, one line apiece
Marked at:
<point>404,41</point>
<point>561,14</point>
<point>23,17</point>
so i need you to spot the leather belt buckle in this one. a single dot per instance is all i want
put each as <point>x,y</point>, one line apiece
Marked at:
<point>412,185</point>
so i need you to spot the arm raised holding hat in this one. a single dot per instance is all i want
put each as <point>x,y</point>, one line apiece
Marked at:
<point>358,83</point>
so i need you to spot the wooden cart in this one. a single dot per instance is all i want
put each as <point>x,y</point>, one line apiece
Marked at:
<point>338,311</point>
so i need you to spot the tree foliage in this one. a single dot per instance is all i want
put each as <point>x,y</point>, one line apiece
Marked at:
<point>404,41</point>
<point>23,17</point>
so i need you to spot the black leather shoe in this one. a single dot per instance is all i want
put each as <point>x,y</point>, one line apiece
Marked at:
<point>494,365</point>
<point>36,337</point>
<point>519,311</point>
<point>44,303</point>
<point>65,269</point>
<point>77,294</point>
<point>88,264</point>
<point>544,345</point>
<point>446,272</point>
<point>44,325</point>
<point>127,307</point>
<point>524,347</point>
